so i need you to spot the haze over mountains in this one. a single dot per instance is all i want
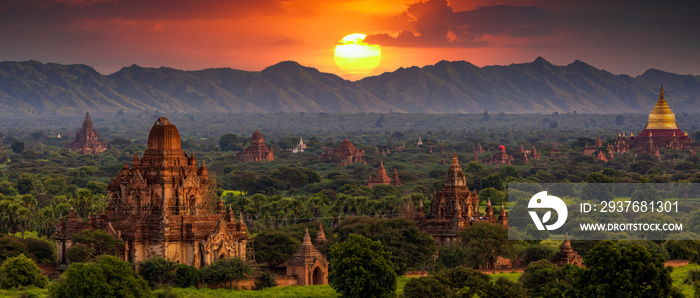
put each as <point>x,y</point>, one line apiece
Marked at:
<point>34,88</point>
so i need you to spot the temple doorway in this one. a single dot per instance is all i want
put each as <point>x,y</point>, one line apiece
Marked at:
<point>317,276</point>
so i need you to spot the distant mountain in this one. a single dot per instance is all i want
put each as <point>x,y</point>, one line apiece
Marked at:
<point>34,88</point>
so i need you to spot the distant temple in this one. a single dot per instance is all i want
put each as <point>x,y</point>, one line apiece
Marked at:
<point>345,154</point>
<point>164,205</point>
<point>256,151</point>
<point>383,178</point>
<point>299,147</point>
<point>86,139</point>
<point>501,157</point>
<point>660,132</point>
<point>533,153</point>
<point>455,207</point>
<point>567,255</point>
<point>420,142</point>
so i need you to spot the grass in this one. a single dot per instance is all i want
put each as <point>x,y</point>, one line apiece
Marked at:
<point>512,276</point>
<point>26,292</point>
<point>679,274</point>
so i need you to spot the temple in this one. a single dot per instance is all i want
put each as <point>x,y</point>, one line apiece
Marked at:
<point>86,139</point>
<point>163,205</point>
<point>455,207</point>
<point>345,154</point>
<point>383,178</point>
<point>567,254</point>
<point>299,147</point>
<point>660,132</point>
<point>501,157</point>
<point>308,265</point>
<point>256,151</point>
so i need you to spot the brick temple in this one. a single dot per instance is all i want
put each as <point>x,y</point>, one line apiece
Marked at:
<point>501,157</point>
<point>163,205</point>
<point>454,208</point>
<point>86,139</point>
<point>256,151</point>
<point>345,154</point>
<point>383,178</point>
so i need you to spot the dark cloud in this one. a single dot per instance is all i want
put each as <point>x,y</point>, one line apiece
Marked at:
<point>437,24</point>
<point>434,23</point>
<point>48,10</point>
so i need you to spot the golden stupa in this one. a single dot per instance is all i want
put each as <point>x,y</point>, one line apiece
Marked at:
<point>661,117</point>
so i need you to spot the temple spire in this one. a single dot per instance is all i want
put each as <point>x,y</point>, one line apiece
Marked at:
<point>661,117</point>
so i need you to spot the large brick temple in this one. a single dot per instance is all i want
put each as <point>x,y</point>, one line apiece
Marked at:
<point>256,151</point>
<point>454,208</point>
<point>86,139</point>
<point>345,154</point>
<point>163,205</point>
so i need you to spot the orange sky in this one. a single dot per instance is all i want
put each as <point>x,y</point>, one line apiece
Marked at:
<point>619,36</point>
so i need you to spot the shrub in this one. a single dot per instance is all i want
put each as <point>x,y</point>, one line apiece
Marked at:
<point>79,253</point>
<point>187,276</point>
<point>157,271</point>
<point>225,271</point>
<point>426,287</point>
<point>265,280</point>
<point>11,247</point>
<point>361,267</point>
<point>106,277</point>
<point>41,250</point>
<point>21,271</point>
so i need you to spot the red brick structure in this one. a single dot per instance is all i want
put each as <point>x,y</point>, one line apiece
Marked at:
<point>453,208</point>
<point>501,157</point>
<point>308,265</point>
<point>86,139</point>
<point>380,178</point>
<point>567,255</point>
<point>164,205</point>
<point>256,151</point>
<point>345,154</point>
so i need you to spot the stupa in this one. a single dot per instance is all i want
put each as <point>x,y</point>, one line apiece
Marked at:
<point>86,139</point>
<point>256,151</point>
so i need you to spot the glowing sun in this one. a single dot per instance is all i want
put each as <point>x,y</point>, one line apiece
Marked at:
<point>354,56</point>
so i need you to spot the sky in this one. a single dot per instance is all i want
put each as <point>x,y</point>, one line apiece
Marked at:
<point>620,36</point>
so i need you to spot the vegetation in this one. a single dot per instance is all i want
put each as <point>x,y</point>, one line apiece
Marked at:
<point>361,268</point>
<point>157,271</point>
<point>21,271</point>
<point>224,272</point>
<point>106,277</point>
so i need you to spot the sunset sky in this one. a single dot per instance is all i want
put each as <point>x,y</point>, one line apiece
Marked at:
<point>621,36</point>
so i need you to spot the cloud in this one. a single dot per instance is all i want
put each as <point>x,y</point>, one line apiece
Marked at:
<point>435,23</point>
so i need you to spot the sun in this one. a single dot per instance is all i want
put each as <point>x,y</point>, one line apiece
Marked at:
<point>354,56</point>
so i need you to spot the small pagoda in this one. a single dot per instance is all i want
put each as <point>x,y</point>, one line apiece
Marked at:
<point>567,254</point>
<point>299,147</point>
<point>86,139</point>
<point>380,178</point>
<point>308,264</point>
<point>256,151</point>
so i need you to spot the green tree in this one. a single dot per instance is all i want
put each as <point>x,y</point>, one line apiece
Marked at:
<point>410,247</point>
<point>21,271</point>
<point>426,287</point>
<point>504,288</point>
<point>107,277</point>
<point>157,270</point>
<point>11,247</point>
<point>625,271</point>
<point>361,268</point>
<point>17,147</point>
<point>89,244</point>
<point>265,280</point>
<point>538,252</point>
<point>545,279</point>
<point>274,247</point>
<point>40,250</point>
<point>187,276</point>
<point>485,243</point>
<point>451,256</point>
<point>226,271</point>
<point>493,181</point>
<point>25,183</point>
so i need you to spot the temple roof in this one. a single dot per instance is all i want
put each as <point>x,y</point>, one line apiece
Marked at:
<point>87,123</point>
<point>164,136</point>
<point>661,117</point>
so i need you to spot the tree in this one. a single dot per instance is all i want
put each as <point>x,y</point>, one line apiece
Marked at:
<point>89,244</point>
<point>157,270</point>
<point>625,271</point>
<point>274,247</point>
<point>504,288</point>
<point>11,247</point>
<point>187,276</point>
<point>107,277</point>
<point>493,180</point>
<point>409,246</point>
<point>361,268</point>
<point>451,256</point>
<point>225,271</point>
<point>545,279</point>
<point>40,250</point>
<point>21,271</point>
<point>25,183</point>
<point>538,252</point>
<point>485,243</point>
<point>17,146</point>
<point>426,287</point>
<point>265,280</point>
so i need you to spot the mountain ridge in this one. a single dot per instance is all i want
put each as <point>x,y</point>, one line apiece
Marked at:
<point>36,88</point>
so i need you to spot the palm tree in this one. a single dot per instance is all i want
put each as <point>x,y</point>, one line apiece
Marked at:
<point>46,222</point>
<point>295,205</point>
<point>316,202</point>
<point>258,200</point>
<point>284,205</point>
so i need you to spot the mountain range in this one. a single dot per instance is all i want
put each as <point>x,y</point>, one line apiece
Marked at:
<point>35,88</point>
